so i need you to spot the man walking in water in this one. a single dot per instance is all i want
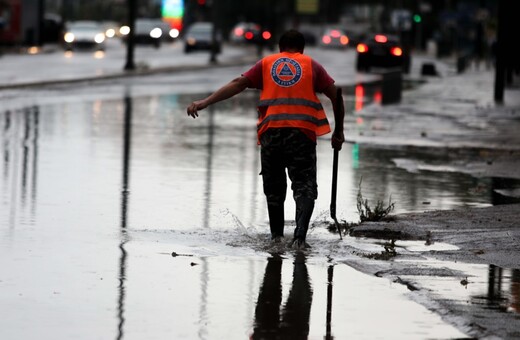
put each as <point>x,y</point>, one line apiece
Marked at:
<point>290,118</point>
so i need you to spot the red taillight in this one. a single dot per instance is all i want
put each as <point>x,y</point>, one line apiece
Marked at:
<point>380,38</point>
<point>397,51</point>
<point>326,39</point>
<point>343,40</point>
<point>248,35</point>
<point>266,35</point>
<point>359,96</point>
<point>239,31</point>
<point>362,48</point>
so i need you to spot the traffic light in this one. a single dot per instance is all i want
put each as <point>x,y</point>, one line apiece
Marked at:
<point>417,18</point>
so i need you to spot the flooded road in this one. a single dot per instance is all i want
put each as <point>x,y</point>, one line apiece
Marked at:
<point>98,190</point>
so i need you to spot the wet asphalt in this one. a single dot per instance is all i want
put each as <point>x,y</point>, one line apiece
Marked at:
<point>466,118</point>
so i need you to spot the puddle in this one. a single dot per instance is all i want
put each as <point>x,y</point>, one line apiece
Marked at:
<point>291,293</point>
<point>483,286</point>
<point>421,246</point>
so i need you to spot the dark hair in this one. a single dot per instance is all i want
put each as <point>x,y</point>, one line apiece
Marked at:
<point>292,39</point>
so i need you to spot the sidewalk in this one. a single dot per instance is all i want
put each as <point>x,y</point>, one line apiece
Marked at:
<point>456,112</point>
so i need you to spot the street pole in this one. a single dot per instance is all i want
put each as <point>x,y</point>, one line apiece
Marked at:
<point>213,50</point>
<point>130,65</point>
<point>41,15</point>
<point>500,53</point>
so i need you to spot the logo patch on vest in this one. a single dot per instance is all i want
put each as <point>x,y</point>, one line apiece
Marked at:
<point>286,72</point>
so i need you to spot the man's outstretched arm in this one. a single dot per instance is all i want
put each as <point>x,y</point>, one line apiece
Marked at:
<point>232,88</point>
<point>338,138</point>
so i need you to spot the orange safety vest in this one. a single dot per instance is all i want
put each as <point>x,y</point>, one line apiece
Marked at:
<point>288,98</point>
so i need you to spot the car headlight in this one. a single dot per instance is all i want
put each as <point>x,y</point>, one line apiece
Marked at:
<point>156,33</point>
<point>99,38</point>
<point>124,30</point>
<point>110,33</point>
<point>69,37</point>
<point>174,33</point>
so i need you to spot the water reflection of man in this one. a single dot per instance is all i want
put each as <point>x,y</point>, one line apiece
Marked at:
<point>293,323</point>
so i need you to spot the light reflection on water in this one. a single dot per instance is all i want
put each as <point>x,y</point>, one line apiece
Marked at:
<point>91,190</point>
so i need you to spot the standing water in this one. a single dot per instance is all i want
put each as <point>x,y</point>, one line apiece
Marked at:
<point>123,218</point>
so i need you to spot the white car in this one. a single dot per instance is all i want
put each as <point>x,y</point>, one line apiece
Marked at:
<point>84,34</point>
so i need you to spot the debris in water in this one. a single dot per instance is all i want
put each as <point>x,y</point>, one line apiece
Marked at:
<point>174,254</point>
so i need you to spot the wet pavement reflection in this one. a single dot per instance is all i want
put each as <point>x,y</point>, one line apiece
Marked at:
<point>293,321</point>
<point>96,195</point>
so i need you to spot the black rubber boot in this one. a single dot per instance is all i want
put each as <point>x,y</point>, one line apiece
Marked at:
<point>276,219</point>
<point>304,209</point>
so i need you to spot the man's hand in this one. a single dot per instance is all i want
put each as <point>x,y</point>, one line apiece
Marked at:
<point>195,106</point>
<point>336,98</point>
<point>232,88</point>
<point>337,140</point>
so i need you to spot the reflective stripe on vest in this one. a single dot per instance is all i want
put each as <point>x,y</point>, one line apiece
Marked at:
<point>290,101</point>
<point>288,98</point>
<point>298,119</point>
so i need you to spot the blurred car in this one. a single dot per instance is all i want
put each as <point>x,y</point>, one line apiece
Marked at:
<point>169,34</point>
<point>382,51</point>
<point>148,32</point>
<point>84,34</point>
<point>249,32</point>
<point>199,36</point>
<point>334,37</point>
<point>237,35</point>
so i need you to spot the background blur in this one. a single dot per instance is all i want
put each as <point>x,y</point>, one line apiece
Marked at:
<point>449,26</point>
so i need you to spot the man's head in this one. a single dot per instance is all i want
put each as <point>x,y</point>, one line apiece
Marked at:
<point>291,41</point>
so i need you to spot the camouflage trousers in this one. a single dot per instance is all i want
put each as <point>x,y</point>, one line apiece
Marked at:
<point>288,149</point>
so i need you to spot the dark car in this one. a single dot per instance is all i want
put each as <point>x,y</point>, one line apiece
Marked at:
<point>199,36</point>
<point>382,51</point>
<point>149,32</point>
<point>249,32</point>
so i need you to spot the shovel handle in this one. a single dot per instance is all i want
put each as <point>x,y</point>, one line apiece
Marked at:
<point>334,184</point>
<point>339,105</point>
